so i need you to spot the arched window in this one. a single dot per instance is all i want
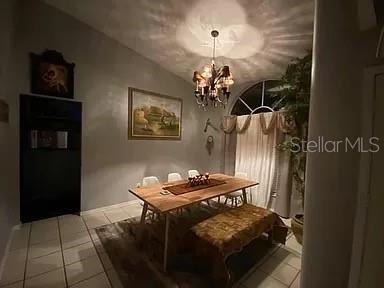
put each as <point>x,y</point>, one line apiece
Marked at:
<point>252,98</point>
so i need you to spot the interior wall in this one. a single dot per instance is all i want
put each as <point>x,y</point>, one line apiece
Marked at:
<point>8,156</point>
<point>332,178</point>
<point>368,45</point>
<point>367,54</point>
<point>104,70</point>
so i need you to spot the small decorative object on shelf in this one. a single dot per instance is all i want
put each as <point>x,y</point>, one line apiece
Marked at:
<point>199,180</point>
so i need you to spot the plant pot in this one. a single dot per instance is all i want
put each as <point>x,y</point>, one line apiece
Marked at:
<point>297,227</point>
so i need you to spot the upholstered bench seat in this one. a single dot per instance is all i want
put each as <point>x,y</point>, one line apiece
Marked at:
<point>218,237</point>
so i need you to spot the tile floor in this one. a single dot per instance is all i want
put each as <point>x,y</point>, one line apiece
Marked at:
<point>65,252</point>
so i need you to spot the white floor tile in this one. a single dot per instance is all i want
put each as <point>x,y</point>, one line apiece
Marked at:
<point>14,267</point>
<point>294,245</point>
<point>20,237</point>
<point>114,278</point>
<point>75,239</point>
<point>122,204</point>
<point>84,269</point>
<point>45,221</point>
<point>78,253</point>
<point>71,224</point>
<point>116,215</point>
<point>96,220</point>
<point>279,270</point>
<point>296,283</point>
<point>17,256</point>
<point>98,281</point>
<point>133,210</point>
<point>44,248</point>
<point>52,279</point>
<point>288,257</point>
<point>19,284</point>
<point>110,207</point>
<point>260,279</point>
<point>44,230</point>
<point>44,264</point>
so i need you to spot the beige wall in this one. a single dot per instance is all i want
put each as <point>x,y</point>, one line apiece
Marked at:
<point>8,151</point>
<point>104,70</point>
<point>340,53</point>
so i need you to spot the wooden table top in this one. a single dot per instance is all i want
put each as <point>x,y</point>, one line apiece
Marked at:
<point>167,203</point>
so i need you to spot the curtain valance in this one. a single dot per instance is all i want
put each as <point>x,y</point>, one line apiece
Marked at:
<point>281,120</point>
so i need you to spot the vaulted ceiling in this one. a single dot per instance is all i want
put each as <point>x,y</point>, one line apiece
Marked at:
<point>257,38</point>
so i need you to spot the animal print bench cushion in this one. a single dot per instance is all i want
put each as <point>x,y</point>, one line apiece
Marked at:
<point>230,231</point>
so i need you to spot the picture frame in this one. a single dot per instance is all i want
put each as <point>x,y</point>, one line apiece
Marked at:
<point>51,75</point>
<point>153,116</point>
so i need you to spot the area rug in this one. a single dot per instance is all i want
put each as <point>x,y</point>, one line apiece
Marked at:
<point>136,252</point>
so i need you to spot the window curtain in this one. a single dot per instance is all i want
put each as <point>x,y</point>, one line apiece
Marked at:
<point>255,155</point>
<point>251,146</point>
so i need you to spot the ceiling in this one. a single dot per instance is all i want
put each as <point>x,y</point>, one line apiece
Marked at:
<point>257,38</point>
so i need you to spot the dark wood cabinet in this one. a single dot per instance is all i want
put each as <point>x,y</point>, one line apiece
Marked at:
<point>50,157</point>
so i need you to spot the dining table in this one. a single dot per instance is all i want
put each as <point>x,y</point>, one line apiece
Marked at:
<point>164,202</point>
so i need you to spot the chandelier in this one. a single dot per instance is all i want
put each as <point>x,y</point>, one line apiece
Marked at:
<point>212,85</point>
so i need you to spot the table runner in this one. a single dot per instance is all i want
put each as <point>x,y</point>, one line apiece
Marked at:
<point>179,189</point>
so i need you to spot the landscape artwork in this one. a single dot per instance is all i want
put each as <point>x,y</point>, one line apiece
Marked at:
<point>153,116</point>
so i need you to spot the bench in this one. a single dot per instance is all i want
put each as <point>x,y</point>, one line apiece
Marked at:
<point>215,239</point>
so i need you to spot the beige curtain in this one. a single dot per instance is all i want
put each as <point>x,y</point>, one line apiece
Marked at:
<point>250,146</point>
<point>255,155</point>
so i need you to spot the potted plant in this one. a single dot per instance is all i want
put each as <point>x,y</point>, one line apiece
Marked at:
<point>293,98</point>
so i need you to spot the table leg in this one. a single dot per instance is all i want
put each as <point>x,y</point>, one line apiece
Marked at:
<point>144,213</point>
<point>166,215</point>
<point>245,196</point>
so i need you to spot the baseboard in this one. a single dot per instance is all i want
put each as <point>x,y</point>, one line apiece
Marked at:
<point>101,209</point>
<point>7,248</point>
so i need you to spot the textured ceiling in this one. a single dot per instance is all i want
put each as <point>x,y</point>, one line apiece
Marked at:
<point>257,38</point>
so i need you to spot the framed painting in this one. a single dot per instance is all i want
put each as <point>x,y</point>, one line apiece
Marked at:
<point>153,116</point>
<point>51,75</point>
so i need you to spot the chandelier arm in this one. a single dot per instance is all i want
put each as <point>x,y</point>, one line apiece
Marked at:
<point>216,80</point>
<point>199,102</point>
